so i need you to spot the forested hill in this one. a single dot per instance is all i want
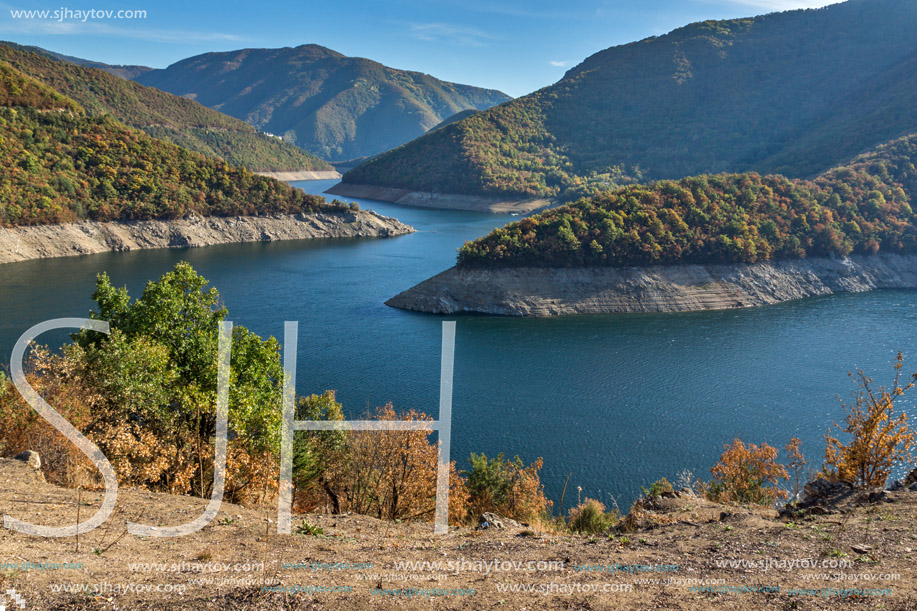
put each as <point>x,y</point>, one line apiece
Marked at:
<point>58,164</point>
<point>162,115</point>
<point>862,207</point>
<point>792,93</point>
<point>335,106</point>
<point>124,71</point>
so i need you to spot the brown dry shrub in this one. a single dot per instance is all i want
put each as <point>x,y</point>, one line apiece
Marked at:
<point>387,474</point>
<point>21,428</point>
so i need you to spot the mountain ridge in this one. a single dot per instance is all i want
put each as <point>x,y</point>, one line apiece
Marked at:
<point>793,92</point>
<point>330,104</point>
<point>160,114</point>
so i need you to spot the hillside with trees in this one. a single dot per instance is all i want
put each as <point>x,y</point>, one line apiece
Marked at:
<point>61,164</point>
<point>793,93</point>
<point>334,106</point>
<point>861,207</point>
<point>162,115</point>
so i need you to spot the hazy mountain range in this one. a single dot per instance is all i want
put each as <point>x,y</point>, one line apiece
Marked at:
<point>334,106</point>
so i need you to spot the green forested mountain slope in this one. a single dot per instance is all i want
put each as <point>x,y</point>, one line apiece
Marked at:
<point>335,106</point>
<point>163,115</point>
<point>864,207</point>
<point>793,92</point>
<point>124,71</point>
<point>58,164</point>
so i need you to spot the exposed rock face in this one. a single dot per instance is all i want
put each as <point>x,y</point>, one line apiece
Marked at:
<point>90,237</point>
<point>302,175</point>
<point>444,201</point>
<point>675,288</point>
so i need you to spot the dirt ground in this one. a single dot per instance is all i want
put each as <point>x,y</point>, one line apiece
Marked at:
<point>239,562</point>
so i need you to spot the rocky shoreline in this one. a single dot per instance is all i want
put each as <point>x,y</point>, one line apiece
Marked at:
<point>441,201</point>
<point>90,237</point>
<point>675,288</point>
<point>302,175</point>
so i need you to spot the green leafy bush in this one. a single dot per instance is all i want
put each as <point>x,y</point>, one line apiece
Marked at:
<point>506,487</point>
<point>658,488</point>
<point>590,518</point>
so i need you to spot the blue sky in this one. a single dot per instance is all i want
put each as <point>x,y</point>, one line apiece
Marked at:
<point>517,46</point>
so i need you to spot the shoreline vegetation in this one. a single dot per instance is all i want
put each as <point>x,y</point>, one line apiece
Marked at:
<point>145,394</point>
<point>63,165</point>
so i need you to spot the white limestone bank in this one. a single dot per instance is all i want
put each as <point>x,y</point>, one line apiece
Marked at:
<point>442,201</point>
<point>302,175</point>
<point>90,237</point>
<point>676,288</point>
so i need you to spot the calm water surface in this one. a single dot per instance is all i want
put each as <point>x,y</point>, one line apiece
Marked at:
<point>616,400</point>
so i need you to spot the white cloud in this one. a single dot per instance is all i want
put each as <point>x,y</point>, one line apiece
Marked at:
<point>65,28</point>
<point>558,64</point>
<point>456,34</point>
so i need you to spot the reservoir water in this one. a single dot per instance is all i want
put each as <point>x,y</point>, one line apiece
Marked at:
<point>615,400</point>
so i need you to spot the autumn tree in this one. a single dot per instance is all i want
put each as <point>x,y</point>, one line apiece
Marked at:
<point>747,474</point>
<point>880,437</point>
<point>507,487</point>
<point>389,474</point>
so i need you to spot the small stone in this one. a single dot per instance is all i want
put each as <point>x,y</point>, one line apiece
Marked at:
<point>492,520</point>
<point>30,457</point>
<point>877,495</point>
<point>861,549</point>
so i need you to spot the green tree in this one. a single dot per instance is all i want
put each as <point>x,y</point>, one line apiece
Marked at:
<point>319,455</point>
<point>168,338</point>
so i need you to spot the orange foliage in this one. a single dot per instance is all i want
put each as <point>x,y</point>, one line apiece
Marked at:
<point>881,437</point>
<point>392,474</point>
<point>797,464</point>
<point>744,472</point>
